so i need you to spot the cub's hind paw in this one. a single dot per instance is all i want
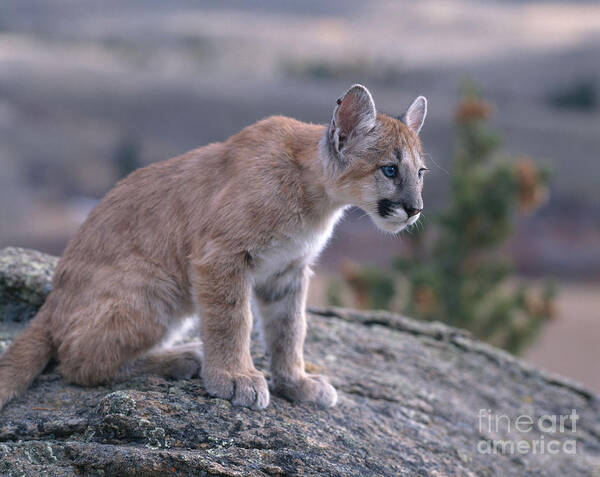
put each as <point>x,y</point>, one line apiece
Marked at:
<point>309,388</point>
<point>185,365</point>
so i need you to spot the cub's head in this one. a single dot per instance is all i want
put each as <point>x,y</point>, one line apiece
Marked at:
<point>375,161</point>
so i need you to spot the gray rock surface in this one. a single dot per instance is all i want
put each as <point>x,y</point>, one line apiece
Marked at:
<point>410,396</point>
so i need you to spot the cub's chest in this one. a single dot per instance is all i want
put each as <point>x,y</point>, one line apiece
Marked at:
<point>301,247</point>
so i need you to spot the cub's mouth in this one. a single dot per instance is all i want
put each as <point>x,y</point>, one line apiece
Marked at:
<point>394,216</point>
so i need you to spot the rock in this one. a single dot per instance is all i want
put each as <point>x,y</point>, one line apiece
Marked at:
<point>25,281</point>
<point>411,394</point>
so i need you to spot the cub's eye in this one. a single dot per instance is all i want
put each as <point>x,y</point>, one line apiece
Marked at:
<point>422,171</point>
<point>390,171</point>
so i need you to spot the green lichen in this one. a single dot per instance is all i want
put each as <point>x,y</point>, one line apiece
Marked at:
<point>118,402</point>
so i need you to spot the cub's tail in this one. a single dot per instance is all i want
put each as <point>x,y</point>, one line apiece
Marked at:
<point>25,358</point>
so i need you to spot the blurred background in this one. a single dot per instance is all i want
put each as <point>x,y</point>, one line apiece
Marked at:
<point>91,90</point>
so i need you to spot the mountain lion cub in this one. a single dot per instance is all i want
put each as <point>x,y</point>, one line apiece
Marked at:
<point>210,232</point>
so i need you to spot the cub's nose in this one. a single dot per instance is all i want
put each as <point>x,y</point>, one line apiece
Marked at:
<point>410,211</point>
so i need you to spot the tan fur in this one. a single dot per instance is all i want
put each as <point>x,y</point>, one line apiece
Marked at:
<point>209,232</point>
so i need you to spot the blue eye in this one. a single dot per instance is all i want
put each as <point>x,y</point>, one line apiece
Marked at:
<point>389,171</point>
<point>421,171</point>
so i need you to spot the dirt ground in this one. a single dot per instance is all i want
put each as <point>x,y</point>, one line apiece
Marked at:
<point>569,344</point>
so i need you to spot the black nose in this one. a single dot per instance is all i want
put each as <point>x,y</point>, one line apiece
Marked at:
<point>411,211</point>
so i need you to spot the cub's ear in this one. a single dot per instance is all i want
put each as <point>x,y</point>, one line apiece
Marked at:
<point>414,117</point>
<point>355,115</point>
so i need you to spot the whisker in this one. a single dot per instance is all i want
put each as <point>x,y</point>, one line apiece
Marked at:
<point>430,157</point>
<point>362,214</point>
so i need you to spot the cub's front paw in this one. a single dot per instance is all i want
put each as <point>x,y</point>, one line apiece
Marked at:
<point>249,390</point>
<point>309,388</point>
